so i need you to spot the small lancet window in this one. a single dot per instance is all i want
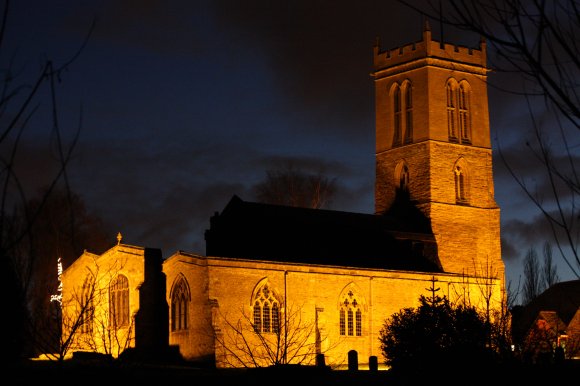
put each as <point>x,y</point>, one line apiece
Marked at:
<point>460,184</point>
<point>404,179</point>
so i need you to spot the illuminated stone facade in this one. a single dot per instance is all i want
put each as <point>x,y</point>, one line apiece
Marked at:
<point>204,305</point>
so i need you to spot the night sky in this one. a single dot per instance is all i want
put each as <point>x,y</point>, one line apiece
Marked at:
<point>182,104</point>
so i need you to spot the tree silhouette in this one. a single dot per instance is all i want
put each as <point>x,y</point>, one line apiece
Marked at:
<point>19,102</point>
<point>290,186</point>
<point>291,338</point>
<point>62,230</point>
<point>434,335</point>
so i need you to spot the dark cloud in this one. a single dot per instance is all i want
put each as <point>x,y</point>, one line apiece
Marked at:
<point>320,52</point>
<point>535,231</point>
<point>182,104</point>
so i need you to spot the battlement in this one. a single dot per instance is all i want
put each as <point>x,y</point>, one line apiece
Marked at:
<point>429,48</point>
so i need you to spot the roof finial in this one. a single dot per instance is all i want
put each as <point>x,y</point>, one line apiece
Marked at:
<point>427,26</point>
<point>119,238</point>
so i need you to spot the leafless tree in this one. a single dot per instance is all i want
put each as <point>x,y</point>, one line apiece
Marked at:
<point>62,230</point>
<point>20,99</point>
<point>291,340</point>
<point>549,271</point>
<point>288,185</point>
<point>538,276</point>
<point>496,311</point>
<point>532,277</point>
<point>536,43</point>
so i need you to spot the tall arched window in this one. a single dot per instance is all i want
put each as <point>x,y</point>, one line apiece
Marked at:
<point>452,109</point>
<point>119,302</point>
<point>350,313</point>
<point>180,298</point>
<point>464,118</point>
<point>458,111</point>
<point>397,115</point>
<point>87,305</point>
<point>266,311</point>
<point>408,112</point>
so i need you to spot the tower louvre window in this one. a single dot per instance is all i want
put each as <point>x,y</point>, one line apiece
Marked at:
<point>451,112</point>
<point>402,113</point>
<point>458,111</point>
<point>464,118</point>
<point>408,113</point>
<point>397,115</point>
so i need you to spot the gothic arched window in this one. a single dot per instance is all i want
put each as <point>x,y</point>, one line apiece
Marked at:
<point>119,302</point>
<point>460,184</point>
<point>397,115</point>
<point>408,112</point>
<point>464,113</point>
<point>350,313</point>
<point>452,109</point>
<point>266,311</point>
<point>458,111</point>
<point>87,305</point>
<point>179,305</point>
<point>404,179</point>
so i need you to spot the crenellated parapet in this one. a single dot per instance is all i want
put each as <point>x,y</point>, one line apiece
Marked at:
<point>429,49</point>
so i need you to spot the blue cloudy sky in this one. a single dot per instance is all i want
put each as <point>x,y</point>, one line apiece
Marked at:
<point>182,104</point>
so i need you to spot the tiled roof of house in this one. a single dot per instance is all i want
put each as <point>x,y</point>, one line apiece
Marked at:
<point>562,298</point>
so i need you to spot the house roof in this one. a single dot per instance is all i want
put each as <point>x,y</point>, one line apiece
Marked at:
<point>400,239</point>
<point>562,298</point>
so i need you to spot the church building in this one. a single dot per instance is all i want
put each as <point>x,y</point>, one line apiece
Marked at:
<point>284,284</point>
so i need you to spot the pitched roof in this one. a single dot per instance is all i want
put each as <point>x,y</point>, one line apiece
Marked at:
<point>250,230</point>
<point>553,320</point>
<point>562,298</point>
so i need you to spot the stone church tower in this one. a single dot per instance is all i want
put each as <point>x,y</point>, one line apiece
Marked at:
<point>433,144</point>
